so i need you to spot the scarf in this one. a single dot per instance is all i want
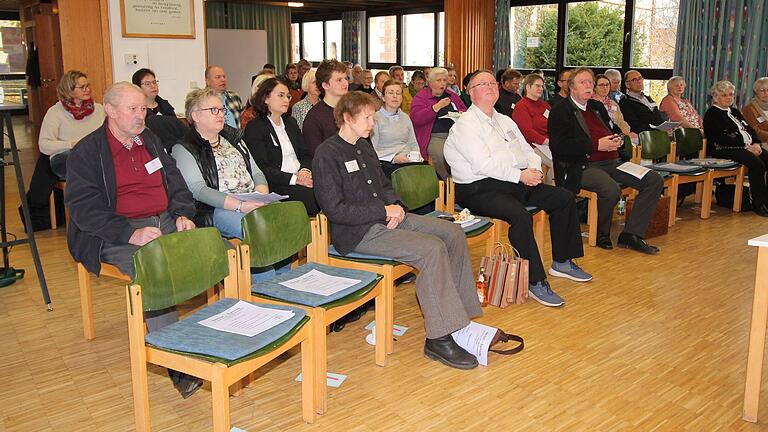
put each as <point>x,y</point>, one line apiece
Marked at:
<point>78,112</point>
<point>761,105</point>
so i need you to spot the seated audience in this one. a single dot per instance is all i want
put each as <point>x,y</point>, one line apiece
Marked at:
<point>216,164</point>
<point>452,86</point>
<point>562,83</point>
<point>585,146</point>
<point>639,110</point>
<point>124,191</point>
<point>509,93</point>
<point>729,136</point>
<point>274,140</point>
<point>249,113</point>
<point>398,73</point>
<point>319,124</point>
<point>366,216</point>
<point>303,66</point>
<point>530,115</point>
<point>216,78</point>
<point>418,81</point>
<point>615,77</point>
<point>367,81</point>
<point>756,111</point>
<point>74,116</point>
<point>148,83</point>
<point>393,136</point>
<point>270,67</point>
<point>356,78</point>
<point>602,94</point>
<point>497,174</point>
<point>429,105</point>
<point>676,107</point>
<point>291,76</point>
<point>309,86</point>
<point>378,86</point>
<point>545,94</point>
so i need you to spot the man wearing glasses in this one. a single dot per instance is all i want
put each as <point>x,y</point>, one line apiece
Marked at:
<point>497,174</point>
<point>216,78</point>
<point>639,110</point>
<point>562,83</point>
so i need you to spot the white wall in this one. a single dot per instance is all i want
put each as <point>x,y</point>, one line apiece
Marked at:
<point>178,63</point>
<point>239,68</point>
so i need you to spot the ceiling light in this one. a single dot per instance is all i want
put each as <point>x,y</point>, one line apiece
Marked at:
<point>295,4</point>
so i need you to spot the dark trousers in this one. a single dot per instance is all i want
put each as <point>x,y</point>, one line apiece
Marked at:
<point>757,169</point>
<point>507,201</point>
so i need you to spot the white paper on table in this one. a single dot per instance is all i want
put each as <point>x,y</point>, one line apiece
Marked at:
<point>633,169</point>
<point>476,339</point>
<point>667,126</point>
<point>469,222</point>
<point>317,282</point>
<point>246,319</point>
<point>451,115</point>
<point>544,148</point>
<point>260,197</point>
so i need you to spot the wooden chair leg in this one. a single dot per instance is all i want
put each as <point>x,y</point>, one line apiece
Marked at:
<point>706,197</point>
<point>383,331</point>
<point>138,355</point>
<point>388,284</point>
<point>52,209</point>
<point>320,360</point>
<point>592,220</point>
<point>539,220</point>
<point>220,397</point>
<point>672,194</point>
<point>699,188</point>
<point>739,192</point>
<point>309,376</point>
<point>86,301</point>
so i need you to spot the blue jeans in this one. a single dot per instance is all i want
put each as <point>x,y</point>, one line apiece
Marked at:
<point>58,164</point>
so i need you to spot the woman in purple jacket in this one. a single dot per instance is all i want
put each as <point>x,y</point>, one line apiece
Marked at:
<point>431,119</point>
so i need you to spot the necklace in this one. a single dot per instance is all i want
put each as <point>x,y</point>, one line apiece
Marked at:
<point>216,144</point>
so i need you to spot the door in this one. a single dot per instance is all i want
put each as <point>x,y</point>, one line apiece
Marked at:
<point>48,39</point>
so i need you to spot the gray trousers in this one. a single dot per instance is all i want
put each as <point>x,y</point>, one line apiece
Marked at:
<point>602,177</point>
<point>445,286</point>
<point>435,151</point>
<point>121,256</point>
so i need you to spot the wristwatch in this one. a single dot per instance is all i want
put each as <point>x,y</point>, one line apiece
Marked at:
<point>239,207</point>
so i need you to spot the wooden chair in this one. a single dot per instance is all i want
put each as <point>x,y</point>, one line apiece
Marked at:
<point>86,294</point>
<point>175,268</point>
<point>656,145</point>
<point>275,232</point>
<point>689,143</point>
<point>61,185</point>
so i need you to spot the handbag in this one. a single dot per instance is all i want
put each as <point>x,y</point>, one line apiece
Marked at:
<point>506,276</point>
<point>502,337</point>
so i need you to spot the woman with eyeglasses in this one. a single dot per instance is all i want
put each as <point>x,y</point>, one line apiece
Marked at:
<point>602,89</point>
<point>74,116</point>
<point>275,140</point>
<point>216,164</point>
<point>150,86</point>
<point>393,136</point>
<point>756,111</point>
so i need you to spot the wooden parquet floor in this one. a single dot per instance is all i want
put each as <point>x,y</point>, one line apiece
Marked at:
<point>652,344</point>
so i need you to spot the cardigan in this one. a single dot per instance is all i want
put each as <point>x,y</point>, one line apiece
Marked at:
<point>721,132</point>
<point>60,131</point>
<point>392,135</point>
<point>756,118</point>
<point>263,143</point>
<point>423,116</point>
<point>531,117</point>
<point>638,115</point>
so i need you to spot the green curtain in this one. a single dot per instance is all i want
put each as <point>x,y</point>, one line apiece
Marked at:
<point>501,47</point>
<point>721,40</point>
<point>275,20</point>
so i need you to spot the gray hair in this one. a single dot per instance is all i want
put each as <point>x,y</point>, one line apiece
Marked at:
<point>721,87</point>
<point>760,83</point>
<point>613,74</point>
<point>308,77</point>
<point>258,80</point>
<point>195,98</point>
<point>674,80</point>
<point>433,74</point>
<point>626,74</point>
<point>114,94</point>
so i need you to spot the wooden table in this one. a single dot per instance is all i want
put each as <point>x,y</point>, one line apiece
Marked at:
<point>757,331</point>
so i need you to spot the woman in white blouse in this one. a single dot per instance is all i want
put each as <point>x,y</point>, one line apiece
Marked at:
<point>393,137</point>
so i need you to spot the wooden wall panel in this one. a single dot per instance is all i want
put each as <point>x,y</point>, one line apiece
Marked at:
<point>85,41</point>
<point>469,26</point>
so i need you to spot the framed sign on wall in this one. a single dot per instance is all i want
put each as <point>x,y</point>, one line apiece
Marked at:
<point>170,19</point>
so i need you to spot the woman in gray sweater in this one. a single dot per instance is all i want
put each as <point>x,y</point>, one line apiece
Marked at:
<point>393,137</point>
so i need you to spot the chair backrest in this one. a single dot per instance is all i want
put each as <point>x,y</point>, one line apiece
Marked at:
<point>178,266</point>
<point>276,231</point>
<point>417,185</point>
<point>690,142</point>
<point>654,144</point>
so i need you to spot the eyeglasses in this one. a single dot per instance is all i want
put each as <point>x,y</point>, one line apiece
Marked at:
<point>635,79</point>
<point>214,110</point>
<point>83,87</point>
<point>488,84</point>
<point>150,83</point>
<point>393,93</point>
<point>283,95</point>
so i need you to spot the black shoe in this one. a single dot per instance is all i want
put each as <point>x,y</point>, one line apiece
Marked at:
<point>406,278</point>
<point>604,243</point>
<point>186,385</point>
<point>448,352</point>
<point>761,211</point>
<point>631,241</point>
<point>350,317</point>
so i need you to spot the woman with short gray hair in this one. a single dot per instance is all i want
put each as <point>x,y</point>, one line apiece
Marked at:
<point>729,136</point>
<point>756,111</point>
<point>677,108</point>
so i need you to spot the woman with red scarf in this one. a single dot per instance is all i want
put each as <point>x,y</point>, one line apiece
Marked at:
<point>69,120</point>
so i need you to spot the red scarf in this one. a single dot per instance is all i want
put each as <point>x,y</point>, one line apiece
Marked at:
<point>78,112</point>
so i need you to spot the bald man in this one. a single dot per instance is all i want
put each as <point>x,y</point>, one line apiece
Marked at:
<point>216,78</point>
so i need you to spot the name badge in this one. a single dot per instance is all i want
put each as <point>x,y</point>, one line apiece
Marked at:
<point>351,166</point>
<point>546,113</point>
<point>512,106</point>
<point>153,165</point>
<point>760,119</point>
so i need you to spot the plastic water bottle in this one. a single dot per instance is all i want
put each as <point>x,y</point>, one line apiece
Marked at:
<point>621,206</point>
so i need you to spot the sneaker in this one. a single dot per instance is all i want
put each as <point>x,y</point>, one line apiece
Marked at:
<point>569,270</point>
<point>542,293</point>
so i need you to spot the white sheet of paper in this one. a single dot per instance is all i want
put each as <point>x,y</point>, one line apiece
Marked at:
<point>246,319</point>
<point>633,169</point>
<point>317,282</point>
<point>397,330</point>
<point>667,126</point>
<point>452,115</point>
<point>476,339</point>
<point>260,197</point>
<point>331,379</point>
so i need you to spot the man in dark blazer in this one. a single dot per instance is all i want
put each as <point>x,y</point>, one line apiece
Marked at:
<point>639,110</point>
<point>585,145</point>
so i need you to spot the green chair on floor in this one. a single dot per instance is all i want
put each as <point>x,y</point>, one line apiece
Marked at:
<point>656,146</point>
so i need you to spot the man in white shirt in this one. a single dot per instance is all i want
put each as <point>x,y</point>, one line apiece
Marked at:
<point>497,174</point>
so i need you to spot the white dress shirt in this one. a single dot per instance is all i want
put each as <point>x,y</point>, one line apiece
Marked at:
<point>480,147</point>
<point>291,164</point>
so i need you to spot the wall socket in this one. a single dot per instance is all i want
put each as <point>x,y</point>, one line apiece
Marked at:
<point>131,59</point>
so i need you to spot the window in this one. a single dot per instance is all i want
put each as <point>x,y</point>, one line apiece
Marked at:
<point>333,39</point>
<point>595,35</point>
<point>654,33</point>
<point>11,47</point>
<point>533,36</point>
<point>295,54</point>
<point>382,39</point>
<point>419,39</point>
<point>441,38</point>
<point>313,41</point>
<point>656,89</point>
